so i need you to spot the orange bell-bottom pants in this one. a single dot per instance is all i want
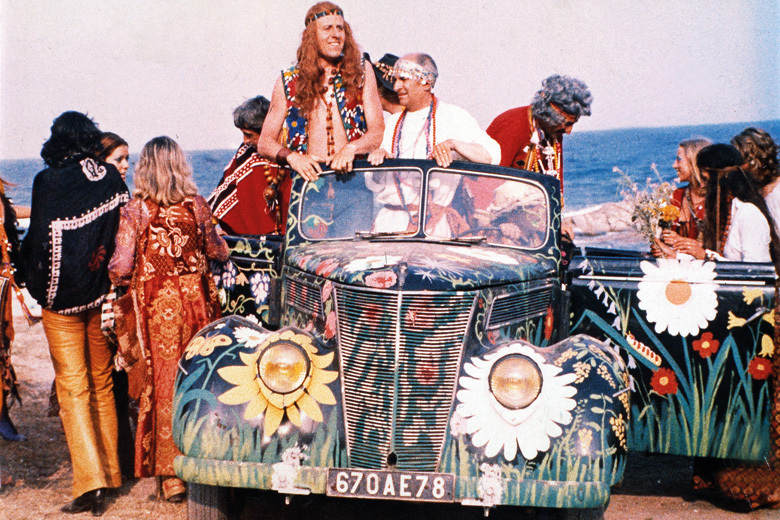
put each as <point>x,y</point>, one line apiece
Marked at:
<point>82,372</point>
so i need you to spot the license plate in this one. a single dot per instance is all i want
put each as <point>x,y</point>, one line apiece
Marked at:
<point>391,485</point>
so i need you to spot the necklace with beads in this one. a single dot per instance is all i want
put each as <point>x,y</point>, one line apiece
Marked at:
<point>271,193</point>
<point>328,96</point>
<point>429,129</point>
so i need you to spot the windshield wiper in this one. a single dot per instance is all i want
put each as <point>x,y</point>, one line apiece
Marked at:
<point>377,234</point>
<point>473,239</point>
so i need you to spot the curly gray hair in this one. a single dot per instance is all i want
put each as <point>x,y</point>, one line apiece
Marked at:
<point>569,94</point>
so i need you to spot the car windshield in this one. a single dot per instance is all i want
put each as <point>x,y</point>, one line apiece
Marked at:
<point>462,206</point>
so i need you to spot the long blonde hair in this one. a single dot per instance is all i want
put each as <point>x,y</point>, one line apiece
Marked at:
<point>163,174</point>
<point>691,148</point>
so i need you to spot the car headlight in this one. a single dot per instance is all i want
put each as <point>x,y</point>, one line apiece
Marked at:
<point>283,367</point>
<point>515,381</point>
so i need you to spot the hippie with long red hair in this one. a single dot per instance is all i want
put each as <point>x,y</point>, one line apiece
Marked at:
<point>326,107</point>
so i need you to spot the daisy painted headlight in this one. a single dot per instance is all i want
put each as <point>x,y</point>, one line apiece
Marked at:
<point>678,295</point>
<point>499,426</point>
<point>515,381</point>
<point>283,367</point>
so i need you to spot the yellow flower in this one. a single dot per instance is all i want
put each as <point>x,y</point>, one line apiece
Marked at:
<point>202,346</point>
<point>769,317</point>
<point>582,370</point>
<point>767,346</point>
<point>734,321</point>
<point>751,294</point>
<point>604,373</point>
<point>584,438</point>
<point>670,213</point>
<point>570,353</point>
<point>250,387</point>
<point>619,427</point>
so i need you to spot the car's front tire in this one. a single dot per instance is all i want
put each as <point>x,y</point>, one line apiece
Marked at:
<point>207,502</point>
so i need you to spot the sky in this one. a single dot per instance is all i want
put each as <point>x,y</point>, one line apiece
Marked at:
<point>145,68</point>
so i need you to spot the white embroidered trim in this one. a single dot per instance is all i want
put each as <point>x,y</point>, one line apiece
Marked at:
<point>92,170</point>
<point>57,229</point>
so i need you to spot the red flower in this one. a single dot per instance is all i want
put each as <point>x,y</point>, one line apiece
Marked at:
<point>330,325</point>
<point>493,336</point>
<point>548,323</point>
<point>664,381</point>
<point>760,368</point>
<point>327,288</point>
<point>706,346</point>
<point>382,279</point>
<point>326,267</point>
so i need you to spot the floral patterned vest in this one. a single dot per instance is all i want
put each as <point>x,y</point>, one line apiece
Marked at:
<point>295,129</point>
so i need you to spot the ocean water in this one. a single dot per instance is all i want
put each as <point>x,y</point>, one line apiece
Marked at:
<point>589,160</point>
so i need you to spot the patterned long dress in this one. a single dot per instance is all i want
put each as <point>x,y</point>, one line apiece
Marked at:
<point>175,297</point>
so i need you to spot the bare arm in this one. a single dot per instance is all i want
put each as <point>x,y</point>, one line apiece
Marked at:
<point>470,151</point>
<point>268,145</point>
<point>375,126</point>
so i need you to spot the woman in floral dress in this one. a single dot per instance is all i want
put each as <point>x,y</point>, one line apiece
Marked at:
<point>165,240</point>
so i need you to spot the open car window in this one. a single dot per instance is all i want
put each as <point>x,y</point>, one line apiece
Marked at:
<point>382,201</point>
<point>502,211</point>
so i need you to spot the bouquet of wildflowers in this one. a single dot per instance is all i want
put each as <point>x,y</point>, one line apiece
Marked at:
<point>652,208</point>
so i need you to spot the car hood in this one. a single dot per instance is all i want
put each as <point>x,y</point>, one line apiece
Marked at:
<point>419,265</point>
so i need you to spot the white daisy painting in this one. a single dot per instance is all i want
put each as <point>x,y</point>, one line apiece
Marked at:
<point>500,429</point>
<point>678,295</point>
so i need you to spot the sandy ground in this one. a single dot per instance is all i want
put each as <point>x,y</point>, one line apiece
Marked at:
<point>655,488</point>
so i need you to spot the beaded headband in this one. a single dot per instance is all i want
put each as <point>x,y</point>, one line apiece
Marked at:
<point>571,118</point>
<point>326,12</point>
<point>406,69</point>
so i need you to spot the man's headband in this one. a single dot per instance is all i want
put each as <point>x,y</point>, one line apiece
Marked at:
<point>326,12</point>
<point>406,69</point>
<point>571,118</point>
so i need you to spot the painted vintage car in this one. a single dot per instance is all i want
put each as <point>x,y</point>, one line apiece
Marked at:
<point>697,337</point>
<point>408,339</point>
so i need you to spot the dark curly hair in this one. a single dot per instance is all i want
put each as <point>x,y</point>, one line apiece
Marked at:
<point>72,133</point>
<point>727,179</point>
<point>760,153</point>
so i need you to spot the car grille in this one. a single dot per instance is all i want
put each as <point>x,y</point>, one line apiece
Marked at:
<point>400,355</point>
<point>530,302</point>
<point>304,296</point>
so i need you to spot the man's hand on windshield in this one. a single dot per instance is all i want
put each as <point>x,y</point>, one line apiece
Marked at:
<point>307,165</point>
<point>378,156</point>
<point>343,159</point>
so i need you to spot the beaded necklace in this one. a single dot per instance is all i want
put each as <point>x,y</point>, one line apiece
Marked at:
<point>329,94</point>
<point>543,159</point>
<point>694,211</point>
<point>429,129</point>
<point>271,193</point>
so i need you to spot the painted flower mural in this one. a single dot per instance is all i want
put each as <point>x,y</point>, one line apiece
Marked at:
<point>260,283</point>
<point>678,295</point>
<point>664,381</point>
<point>261,396</point>
<point>706,345</point>
<point>760,368</point>
<point>499,428</point>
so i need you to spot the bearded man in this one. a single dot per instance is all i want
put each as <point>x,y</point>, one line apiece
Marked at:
<point>326,107</point>
<point>531,137</point>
